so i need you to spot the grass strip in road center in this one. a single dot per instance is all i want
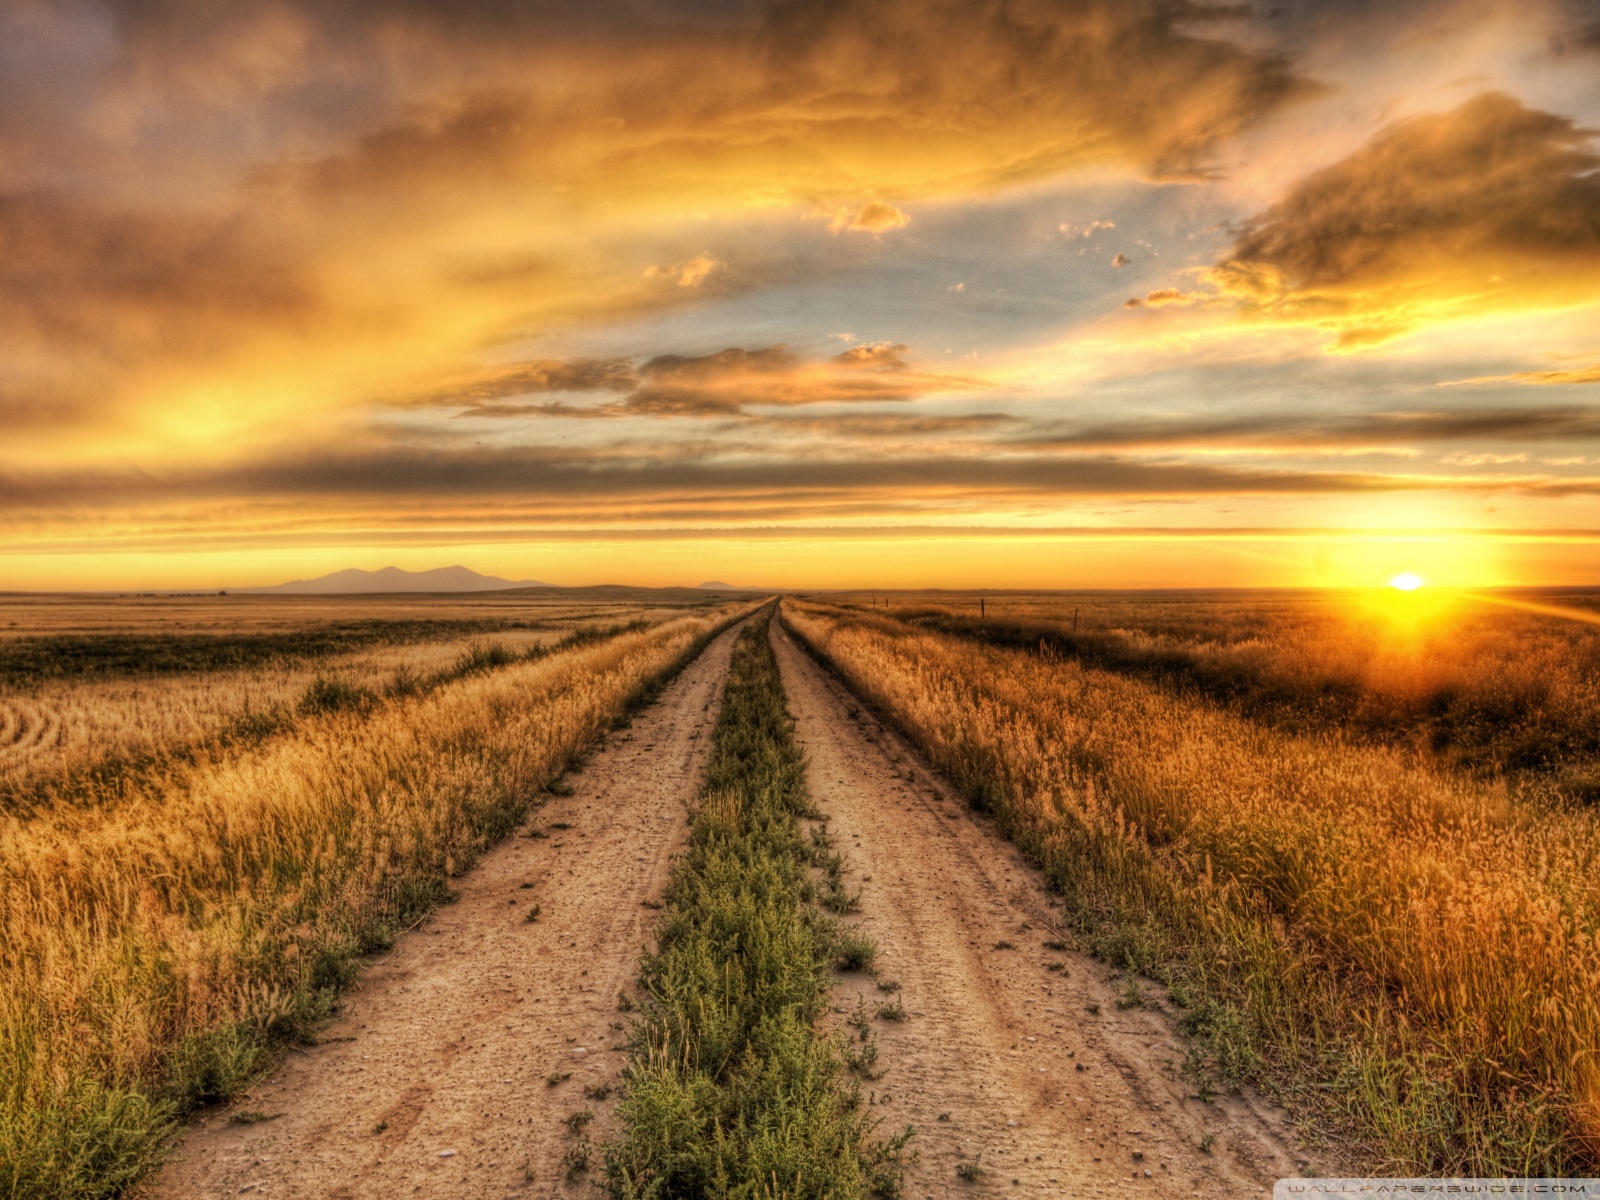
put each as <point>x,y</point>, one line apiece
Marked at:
<point>733,1089</point>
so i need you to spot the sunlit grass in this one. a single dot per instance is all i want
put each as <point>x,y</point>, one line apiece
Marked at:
<point>1409,954</point>
<point>1500,684</point>
<point>152,949</point>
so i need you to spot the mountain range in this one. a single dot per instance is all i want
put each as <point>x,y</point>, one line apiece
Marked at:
<point>393,579</point>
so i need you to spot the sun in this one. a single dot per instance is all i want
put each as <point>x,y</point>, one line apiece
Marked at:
<point>1406,581</point>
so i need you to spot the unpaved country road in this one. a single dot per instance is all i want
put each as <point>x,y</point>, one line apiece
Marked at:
<point>450,1037</point>
<point>987,1065</point>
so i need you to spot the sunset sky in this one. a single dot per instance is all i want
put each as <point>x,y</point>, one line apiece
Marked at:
<point>806,294</point>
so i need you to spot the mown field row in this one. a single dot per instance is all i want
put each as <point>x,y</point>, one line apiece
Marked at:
<point>1407,955</point>
<point>86,739</point>
<point>153,951</point>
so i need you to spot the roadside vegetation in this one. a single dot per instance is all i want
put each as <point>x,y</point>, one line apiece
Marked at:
<point>155,947</point>
<point>734,1089</point>
<point>1406,953</point>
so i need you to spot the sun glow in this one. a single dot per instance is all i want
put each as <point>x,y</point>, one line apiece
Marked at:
<point>1406,581</point>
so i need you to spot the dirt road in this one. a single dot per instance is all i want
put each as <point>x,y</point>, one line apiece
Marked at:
<point>1015,1058</point>
<point>463,1050</point>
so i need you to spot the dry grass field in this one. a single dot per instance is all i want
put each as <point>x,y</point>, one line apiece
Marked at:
<point>1330,833</point>
<point>161,926</point>
<point>1484,683</point>
<point>93,691</point>
<point>1341,849</point>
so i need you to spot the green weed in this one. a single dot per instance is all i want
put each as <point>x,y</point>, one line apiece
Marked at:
<point>731,1085</point>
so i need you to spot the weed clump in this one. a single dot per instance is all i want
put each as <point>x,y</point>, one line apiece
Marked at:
<point>853,951</point>
<point>327,694</point>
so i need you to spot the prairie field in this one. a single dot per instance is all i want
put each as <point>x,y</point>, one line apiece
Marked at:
<point>1489,681</point>
<point>165,923</point>
<point>1353,841</point>
<point>95,690</point>
<point>974,889</point>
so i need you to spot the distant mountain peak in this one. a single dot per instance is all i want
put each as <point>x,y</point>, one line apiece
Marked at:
<point>716,585</point>
<point>354,581</point>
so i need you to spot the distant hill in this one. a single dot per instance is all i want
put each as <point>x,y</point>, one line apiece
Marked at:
<point>393,579</point>
<point>716,585</point>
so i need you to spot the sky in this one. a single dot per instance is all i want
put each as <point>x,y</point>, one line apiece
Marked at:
<point>803,294</point>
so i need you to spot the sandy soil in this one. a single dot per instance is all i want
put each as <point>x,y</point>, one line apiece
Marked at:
<point>1032,1073</point>
<point>434,1082</point>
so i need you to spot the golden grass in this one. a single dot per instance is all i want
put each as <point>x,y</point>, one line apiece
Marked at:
<point>1410,951</point>
<point>1457,678</point>
<point>42,615</point>
<point>150,949</point>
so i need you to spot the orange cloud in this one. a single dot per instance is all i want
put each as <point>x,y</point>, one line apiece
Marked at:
<point>873,217</point>
<point>1568,375</point>
<point>1489,208</point>
<point>199,249</point>
<point>1162,297</point>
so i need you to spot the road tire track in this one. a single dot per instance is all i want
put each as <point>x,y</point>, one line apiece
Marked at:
<point>435,1080</point>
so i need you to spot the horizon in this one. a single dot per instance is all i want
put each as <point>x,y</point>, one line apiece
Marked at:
<point>1073,294</point>
<point>712,586</point>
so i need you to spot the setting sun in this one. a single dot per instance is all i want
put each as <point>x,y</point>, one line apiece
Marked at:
<point>1406,581</point>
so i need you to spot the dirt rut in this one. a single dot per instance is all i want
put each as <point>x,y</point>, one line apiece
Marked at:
<point>1014,1059</point>
<point>437,1079</point>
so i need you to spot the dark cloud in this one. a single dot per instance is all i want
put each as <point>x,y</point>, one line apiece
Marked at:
<point>843,101</point>
<point>1300,432</point>
<point>74,276</point>
<point>543,375</point>
<point>726,383</point>
<point>1491,178</point>
<point>1488,207</point>
<point>601,488</point>
<point>1130,75</point>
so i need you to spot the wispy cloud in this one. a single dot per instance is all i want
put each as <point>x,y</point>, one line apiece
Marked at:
<point>872,217</point>
<point>1553,377</point>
